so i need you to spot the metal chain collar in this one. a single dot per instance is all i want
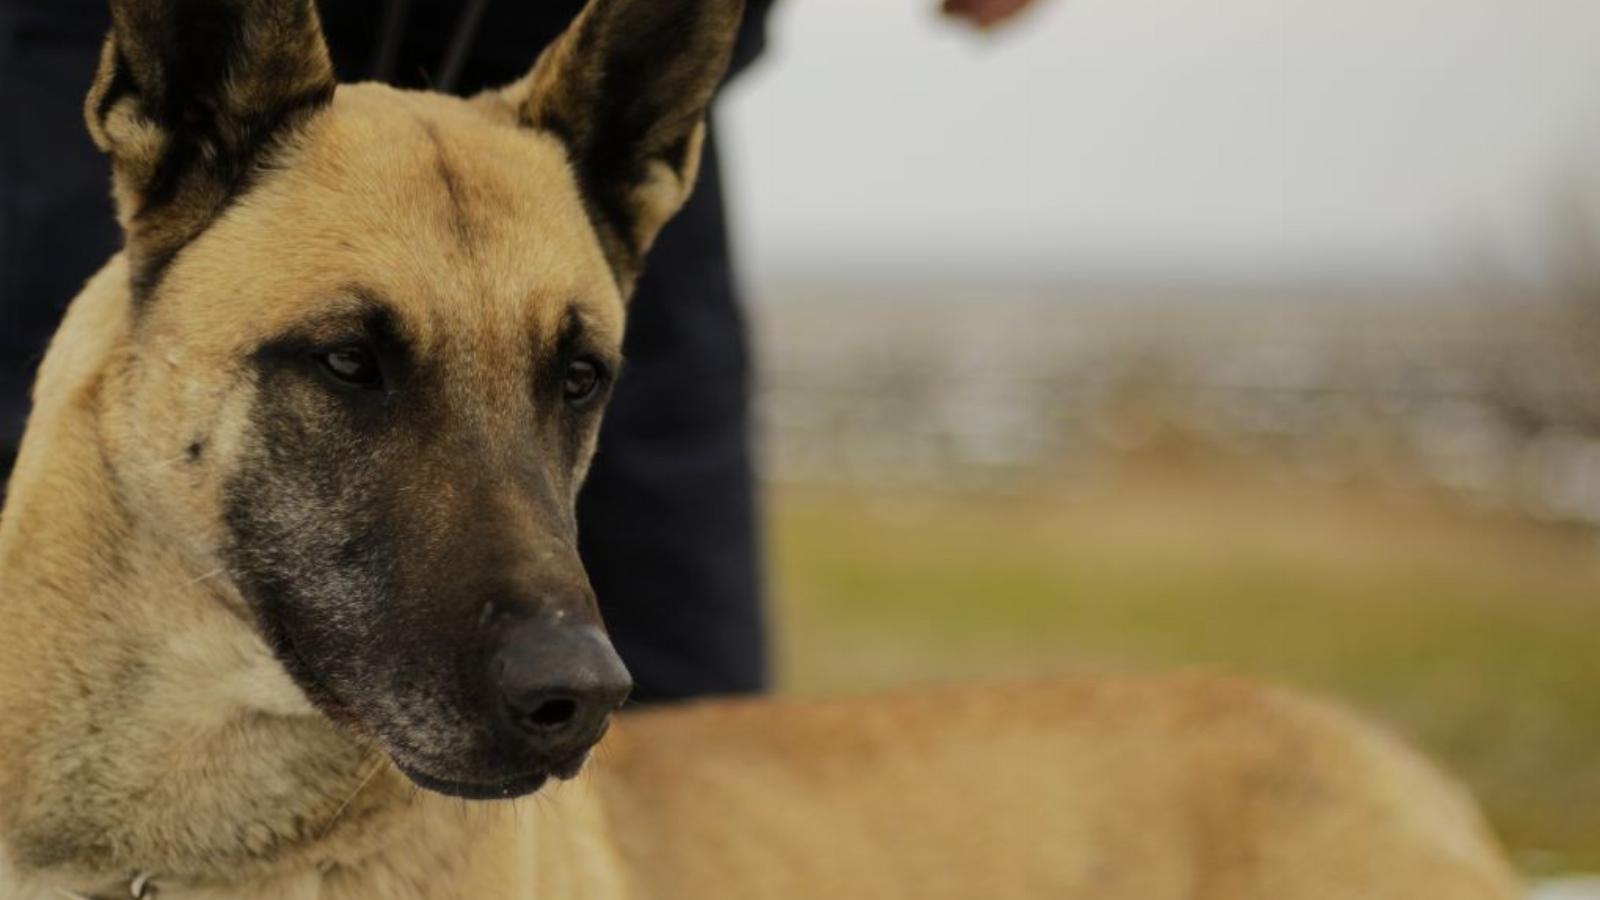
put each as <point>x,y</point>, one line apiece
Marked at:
<point>141,886</point>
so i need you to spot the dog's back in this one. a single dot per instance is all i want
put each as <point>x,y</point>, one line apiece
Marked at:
<point>1199,788</point>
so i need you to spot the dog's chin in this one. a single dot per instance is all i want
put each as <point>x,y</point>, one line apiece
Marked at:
<point>506,789</point>
<point>498,788</point>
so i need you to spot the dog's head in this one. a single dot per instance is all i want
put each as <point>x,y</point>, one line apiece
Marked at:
<point>371,334</point>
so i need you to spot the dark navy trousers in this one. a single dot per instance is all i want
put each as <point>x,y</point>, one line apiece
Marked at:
<point>667,520</point>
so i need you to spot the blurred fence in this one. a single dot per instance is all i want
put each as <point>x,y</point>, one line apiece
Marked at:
<point>1494,398</point>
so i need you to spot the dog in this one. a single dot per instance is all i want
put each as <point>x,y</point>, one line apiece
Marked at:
<point>289,601</point>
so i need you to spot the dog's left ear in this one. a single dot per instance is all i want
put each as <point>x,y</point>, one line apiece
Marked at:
<point>189,96</point>
<point>626,89</point>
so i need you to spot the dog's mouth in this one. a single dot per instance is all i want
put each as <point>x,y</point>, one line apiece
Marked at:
<point>500,789</point>
<point>500,771</point>
<point>519,786</point>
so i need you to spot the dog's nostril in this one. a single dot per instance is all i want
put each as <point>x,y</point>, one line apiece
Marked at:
<point>554,713</point>
<point>558,685</point>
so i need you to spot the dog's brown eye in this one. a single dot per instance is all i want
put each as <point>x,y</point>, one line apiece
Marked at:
<point>352,365</point>
<point>582,381</point>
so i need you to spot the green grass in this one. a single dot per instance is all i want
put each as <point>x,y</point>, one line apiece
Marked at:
<point>1477,636</point>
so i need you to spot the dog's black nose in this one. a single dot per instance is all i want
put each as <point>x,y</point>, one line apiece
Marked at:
<point>560,685</point>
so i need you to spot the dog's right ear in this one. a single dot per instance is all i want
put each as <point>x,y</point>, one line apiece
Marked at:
<point>626,89</point>
<point>190,96</point>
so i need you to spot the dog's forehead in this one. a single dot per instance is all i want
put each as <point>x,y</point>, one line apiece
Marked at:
<point>464,225</point>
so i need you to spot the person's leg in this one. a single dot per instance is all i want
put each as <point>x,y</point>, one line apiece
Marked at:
<point>667,521</point>
<point>56,221</point>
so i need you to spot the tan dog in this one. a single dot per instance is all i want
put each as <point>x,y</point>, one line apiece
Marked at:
<point>292,533</point>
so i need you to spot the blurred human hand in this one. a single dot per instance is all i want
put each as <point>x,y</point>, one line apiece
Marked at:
<point>984,13</point>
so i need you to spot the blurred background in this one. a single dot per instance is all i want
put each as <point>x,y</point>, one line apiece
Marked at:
<point>1252,334</point>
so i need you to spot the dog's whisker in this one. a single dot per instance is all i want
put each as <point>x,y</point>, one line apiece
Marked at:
<point>207,576</point>
<point>168,463</point>
<point>334,819</point>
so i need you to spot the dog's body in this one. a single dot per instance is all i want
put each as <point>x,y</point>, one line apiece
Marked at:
<point>290,533</point>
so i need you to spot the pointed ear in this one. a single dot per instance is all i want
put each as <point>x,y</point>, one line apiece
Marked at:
<point>626,88</point>
<point>190,97</point>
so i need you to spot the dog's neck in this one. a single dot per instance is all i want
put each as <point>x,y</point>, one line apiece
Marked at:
<point>145,728</point>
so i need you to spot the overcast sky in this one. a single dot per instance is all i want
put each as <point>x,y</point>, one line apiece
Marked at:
<point>1164,137</point>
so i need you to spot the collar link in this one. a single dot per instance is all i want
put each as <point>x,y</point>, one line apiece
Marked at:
<point>141,886</point>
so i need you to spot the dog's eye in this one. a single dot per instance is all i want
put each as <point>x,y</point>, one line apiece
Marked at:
<point>582,381</point>
<point>352,365</point>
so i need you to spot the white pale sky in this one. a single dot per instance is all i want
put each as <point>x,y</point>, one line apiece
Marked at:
<point>1233,138</point>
